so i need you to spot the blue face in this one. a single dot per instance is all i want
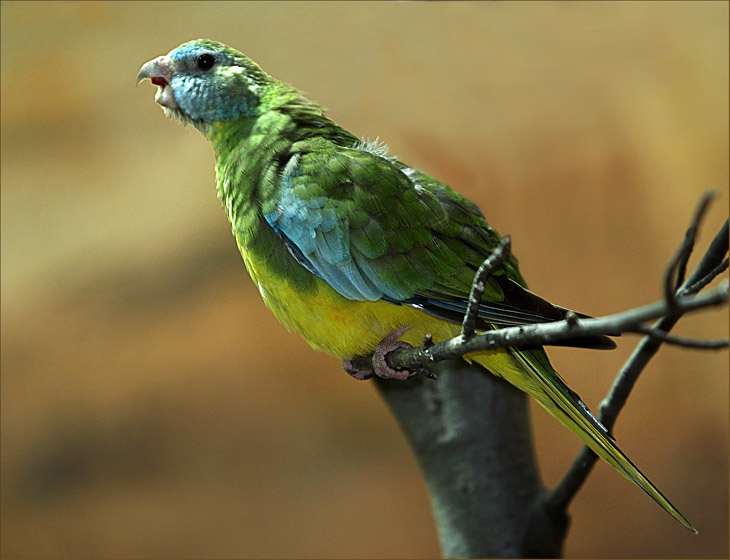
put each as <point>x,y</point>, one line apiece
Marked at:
<point>210,84</point>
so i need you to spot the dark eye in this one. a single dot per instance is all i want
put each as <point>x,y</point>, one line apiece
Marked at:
<point>205,61</point>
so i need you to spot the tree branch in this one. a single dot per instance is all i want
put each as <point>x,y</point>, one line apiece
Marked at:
<point>471,434</point>
<point>543,334</point>
<point>709,267</point>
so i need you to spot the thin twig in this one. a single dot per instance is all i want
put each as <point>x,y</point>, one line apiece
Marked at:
<point>468,326</point>
<point>677,268</point>
<point>702,282</point>
<point>713,256</point>
<point>681,340</point>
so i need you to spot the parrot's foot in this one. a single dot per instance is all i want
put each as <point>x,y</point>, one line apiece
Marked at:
<point>357,372</point>
<point>384,347</point>
<point>380,365</point>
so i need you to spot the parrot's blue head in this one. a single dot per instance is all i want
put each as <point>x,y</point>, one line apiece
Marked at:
<point>203,81</point>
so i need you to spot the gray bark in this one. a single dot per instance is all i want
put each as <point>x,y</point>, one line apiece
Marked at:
<point>471,434</point>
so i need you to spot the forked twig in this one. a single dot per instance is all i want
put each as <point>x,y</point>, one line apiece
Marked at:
<point>468,326</point>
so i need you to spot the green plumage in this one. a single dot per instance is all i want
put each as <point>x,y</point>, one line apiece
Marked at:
<point>347,244</point>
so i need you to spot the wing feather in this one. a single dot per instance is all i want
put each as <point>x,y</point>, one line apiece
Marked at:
<point>375,229</point>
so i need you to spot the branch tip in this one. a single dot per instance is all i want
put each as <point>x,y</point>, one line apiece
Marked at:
<point>677,267</point>
<point>499,254</point>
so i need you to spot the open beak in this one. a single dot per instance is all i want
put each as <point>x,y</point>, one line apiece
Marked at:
<point>159,72</point>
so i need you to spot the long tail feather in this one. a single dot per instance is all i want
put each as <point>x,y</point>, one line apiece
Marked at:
<point>535,376</point>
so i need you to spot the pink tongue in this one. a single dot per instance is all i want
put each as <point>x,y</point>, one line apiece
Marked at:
<point>162,82</point>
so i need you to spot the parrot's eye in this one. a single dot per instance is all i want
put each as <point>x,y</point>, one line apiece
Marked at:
<point>205,61</point>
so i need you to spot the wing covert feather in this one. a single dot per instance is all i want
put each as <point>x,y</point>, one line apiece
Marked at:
<point>373,229</point>
<point>370,231</point>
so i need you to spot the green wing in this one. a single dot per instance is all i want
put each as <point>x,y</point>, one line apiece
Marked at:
<point>375,229</point>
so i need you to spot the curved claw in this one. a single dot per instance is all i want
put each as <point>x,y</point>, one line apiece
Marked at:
<point>384,347</point>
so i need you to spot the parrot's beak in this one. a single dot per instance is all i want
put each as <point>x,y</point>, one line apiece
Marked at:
<point>159,72</point>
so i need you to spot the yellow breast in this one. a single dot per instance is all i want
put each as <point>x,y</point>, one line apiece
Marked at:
<point>336,325</point>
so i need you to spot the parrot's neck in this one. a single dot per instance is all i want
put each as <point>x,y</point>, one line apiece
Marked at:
<point>250,153</point>
<point>245,150</point>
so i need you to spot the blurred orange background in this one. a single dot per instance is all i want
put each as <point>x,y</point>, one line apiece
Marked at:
<point>152,406</point>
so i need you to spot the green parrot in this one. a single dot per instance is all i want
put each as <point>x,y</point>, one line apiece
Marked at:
<point>355,250</point>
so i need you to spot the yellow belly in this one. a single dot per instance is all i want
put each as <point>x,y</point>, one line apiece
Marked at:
<point>345,328</point>
<point>336,325</point>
